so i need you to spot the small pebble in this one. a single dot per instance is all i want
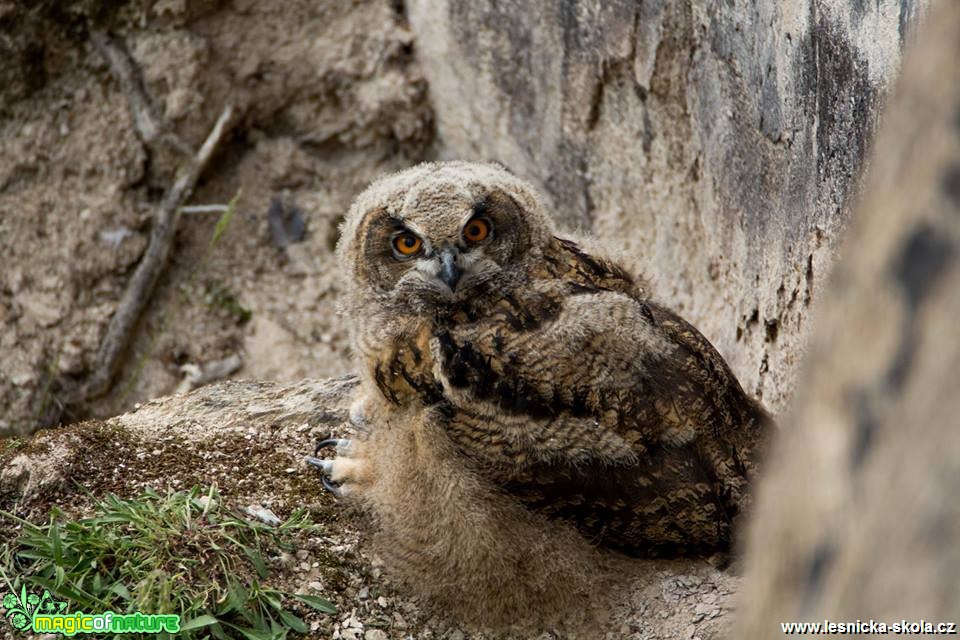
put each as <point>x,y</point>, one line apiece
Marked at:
<point>263,514</point>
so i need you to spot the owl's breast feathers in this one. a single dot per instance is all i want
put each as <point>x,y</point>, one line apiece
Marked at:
<point>589,403</point>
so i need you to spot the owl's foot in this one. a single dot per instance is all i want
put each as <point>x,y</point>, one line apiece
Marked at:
<point>337,470</point>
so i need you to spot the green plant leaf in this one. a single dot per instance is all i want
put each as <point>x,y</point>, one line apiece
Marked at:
<point>60,575</point>
<point>217,632</point>
<point>272,598</point>
<point>119,589</point>
<point>200,621</point>
<point>225,219</point>
<point>257,561</point>
<point>292,621</point>
<point>57,544</point>
<point>250,633</point>
<point>318,603</point>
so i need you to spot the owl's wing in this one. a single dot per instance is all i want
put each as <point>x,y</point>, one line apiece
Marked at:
<point>603,409</point>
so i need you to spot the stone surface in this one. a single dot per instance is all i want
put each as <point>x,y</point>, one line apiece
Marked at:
<point>717,143</point>
<point>858,517</point>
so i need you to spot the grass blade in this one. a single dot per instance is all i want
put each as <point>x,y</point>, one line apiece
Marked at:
<point>318,603</point>
<point>200,621</point>
<point>224,221</point>
<point>294,622</point>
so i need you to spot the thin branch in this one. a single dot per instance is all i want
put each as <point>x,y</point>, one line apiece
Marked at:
<point>150,127</point>
<point>205,208</point>
<point>141,285</point>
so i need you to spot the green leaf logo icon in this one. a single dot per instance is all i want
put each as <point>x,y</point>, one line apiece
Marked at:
<point>10,601</point>
<point>18,609</point>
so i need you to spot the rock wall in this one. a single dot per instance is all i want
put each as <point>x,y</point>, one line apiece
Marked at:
<point>717,143</point>
<point>858,518</point>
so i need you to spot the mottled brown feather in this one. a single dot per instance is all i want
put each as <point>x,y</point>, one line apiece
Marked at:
<point>617,476</point>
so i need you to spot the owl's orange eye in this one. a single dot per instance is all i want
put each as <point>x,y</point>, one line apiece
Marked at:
<point>476,230</point>
<point>407,244</point>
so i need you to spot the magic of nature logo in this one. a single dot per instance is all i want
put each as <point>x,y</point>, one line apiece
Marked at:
<point>21,610</point>
<point>43,614</point>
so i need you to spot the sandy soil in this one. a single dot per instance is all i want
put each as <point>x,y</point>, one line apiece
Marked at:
<point>329,97</point>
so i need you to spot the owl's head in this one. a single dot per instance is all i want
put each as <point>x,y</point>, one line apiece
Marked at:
<point>440,233</point>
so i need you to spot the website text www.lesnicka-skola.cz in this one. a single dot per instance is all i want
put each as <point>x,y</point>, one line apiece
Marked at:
<point>870,627</point>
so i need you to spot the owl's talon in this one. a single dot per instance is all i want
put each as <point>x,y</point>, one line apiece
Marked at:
<point>335,489</point>
<point>326,465</point>
<point>341,444</point>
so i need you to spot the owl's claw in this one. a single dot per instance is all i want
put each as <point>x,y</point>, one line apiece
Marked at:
<point>335,489</point>
<point>340,443</point>
<point>326,465</point>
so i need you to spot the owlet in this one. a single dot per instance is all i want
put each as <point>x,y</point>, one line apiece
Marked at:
<point>524,402</point>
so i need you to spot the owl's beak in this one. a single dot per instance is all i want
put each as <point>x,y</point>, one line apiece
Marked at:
<point>450,272</point>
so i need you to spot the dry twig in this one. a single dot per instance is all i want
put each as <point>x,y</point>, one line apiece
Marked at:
<point>140,288</point>
<point>141,285</point>
<point>150,127</point>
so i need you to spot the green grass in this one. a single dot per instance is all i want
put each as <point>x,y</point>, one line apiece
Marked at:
<point>184,553</point>
<point>220,297</point>
<point>12,444</point>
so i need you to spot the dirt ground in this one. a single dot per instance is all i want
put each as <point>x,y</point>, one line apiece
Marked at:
<point>328,97</point>
<point>212,434</point>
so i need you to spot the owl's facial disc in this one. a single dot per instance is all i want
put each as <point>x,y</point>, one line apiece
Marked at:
<point>444,245</point>
<point>442,264</point>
